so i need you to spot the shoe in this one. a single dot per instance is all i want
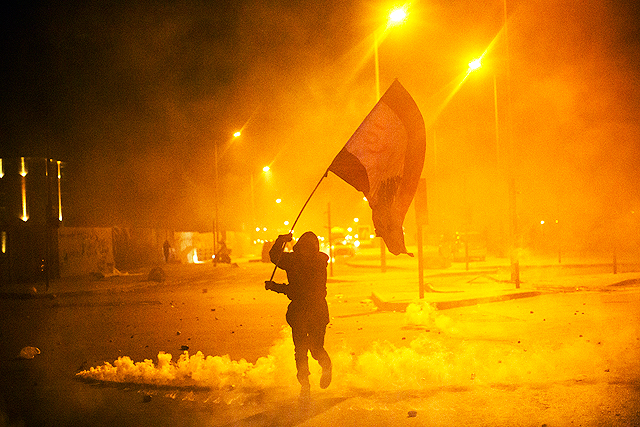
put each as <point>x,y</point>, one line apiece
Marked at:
<point>325,379</point>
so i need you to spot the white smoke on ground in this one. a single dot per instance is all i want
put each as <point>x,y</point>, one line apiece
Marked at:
<point>198,371</point>
<point>445,354</point>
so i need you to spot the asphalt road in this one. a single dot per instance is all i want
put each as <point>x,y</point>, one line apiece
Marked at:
<point>562,358</point>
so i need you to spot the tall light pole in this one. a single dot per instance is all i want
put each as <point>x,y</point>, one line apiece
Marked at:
<point>216,189</point>
<point>512,199</point>
<point>396,17</point>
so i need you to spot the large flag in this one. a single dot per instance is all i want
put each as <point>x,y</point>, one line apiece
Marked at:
<point>384,159</point>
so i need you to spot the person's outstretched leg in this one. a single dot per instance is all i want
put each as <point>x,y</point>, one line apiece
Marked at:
<point>316,345</point>
<point>301,344</point>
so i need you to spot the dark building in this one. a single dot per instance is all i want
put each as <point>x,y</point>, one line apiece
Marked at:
<point>30,213</point>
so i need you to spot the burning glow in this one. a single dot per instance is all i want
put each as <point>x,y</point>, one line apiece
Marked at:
<point>195,257</point>
<point>1,169</point>
<point>4,242</point>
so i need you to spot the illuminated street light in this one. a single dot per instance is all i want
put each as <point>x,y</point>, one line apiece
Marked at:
<point>217,194</point>
<point>266,169</point>
<point>475,64</point>
<point>398,15</point>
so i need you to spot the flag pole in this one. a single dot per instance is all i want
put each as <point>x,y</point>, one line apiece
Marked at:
<point>297,218</point>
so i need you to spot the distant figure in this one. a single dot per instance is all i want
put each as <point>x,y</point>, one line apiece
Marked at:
<point>166,249</point>
<point>308,313</point>
<point>223,254</point>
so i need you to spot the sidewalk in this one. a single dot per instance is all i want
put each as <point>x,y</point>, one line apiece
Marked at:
<point>78,285</point>
<point>487,281</point>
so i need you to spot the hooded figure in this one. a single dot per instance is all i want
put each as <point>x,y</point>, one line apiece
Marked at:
<point>308,313</point>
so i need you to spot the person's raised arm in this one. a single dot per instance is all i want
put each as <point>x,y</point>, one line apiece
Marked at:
<point>275,253</point>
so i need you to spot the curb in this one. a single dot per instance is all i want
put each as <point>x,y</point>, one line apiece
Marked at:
<point>401,306</point>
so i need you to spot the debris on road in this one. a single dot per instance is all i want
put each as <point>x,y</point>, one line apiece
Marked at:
<point>28,352</point>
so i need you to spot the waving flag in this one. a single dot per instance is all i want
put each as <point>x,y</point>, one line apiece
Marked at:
<point>383,159</point>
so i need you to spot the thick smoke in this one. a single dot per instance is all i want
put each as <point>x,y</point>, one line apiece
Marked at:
<point>443,355</point>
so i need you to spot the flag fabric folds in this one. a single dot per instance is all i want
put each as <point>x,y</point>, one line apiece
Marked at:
<point>383,159</point>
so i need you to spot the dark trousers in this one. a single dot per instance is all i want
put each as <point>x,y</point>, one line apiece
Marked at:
<point>308,336</point>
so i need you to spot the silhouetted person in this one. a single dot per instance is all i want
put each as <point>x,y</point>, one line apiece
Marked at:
<point>223,254</point>
<point>308,313</point>
<point>166,250</point>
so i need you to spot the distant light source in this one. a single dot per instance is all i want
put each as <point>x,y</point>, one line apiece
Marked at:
<point>397,15</point>
<point>475,64</point>
<point>278,200</point>
<point>237,134</point>
<point>266,169</point>
<point>356,219</point>
<point>541,222</point>
<point>286,223</point>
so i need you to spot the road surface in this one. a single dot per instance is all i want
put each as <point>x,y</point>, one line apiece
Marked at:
<point>567,357</point>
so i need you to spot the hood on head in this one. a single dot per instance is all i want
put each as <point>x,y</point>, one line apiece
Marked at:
<point>307,243</point>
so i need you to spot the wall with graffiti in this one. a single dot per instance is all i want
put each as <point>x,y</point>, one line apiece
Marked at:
<point>85,250</point>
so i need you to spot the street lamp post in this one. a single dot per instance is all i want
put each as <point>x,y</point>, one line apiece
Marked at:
<point>513,216</point>
<point>216,197</point>
<point>216,189</point>
<point>396,17</point>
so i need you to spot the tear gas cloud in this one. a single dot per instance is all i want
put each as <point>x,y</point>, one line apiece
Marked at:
<point>446,358</point>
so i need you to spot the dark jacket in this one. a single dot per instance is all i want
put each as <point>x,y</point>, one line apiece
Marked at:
<point>306,269</point>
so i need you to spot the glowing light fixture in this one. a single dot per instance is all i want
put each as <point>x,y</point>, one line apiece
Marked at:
<point>398,15</point>
<point>59,195</point>
<point>23,167</point>
<point>266,169</point>
<point>23,173</point>
<point>475,64</point>
<point>1,169</point>
<point>237,134</point>
<point>278,200</point>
